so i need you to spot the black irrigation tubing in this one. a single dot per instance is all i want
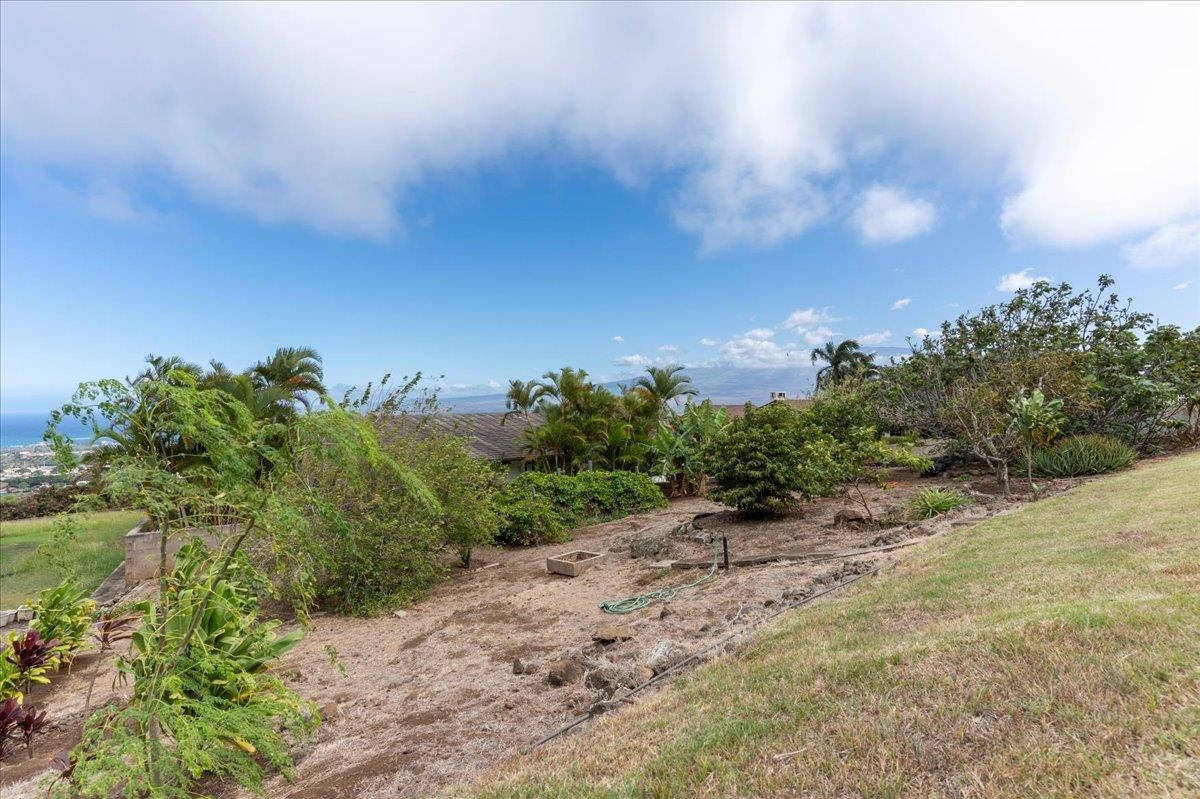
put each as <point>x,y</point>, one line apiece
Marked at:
<point>590,715</point>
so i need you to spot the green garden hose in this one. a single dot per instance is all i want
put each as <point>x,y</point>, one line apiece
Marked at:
<point>630,604</point>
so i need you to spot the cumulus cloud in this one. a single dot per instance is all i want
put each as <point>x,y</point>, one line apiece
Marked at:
<point>669,348</point>
<point>920,333</point>
<point>707,342</point>
<point>1168,246</point>
<point>873,339</point>
<point>1081,120</point>
<point>811,324</point>
<point>1181,286</point>
<point>901,303</point>
<point>618,339</point>
<point>633,360</point>
<point>888,215</point>
<point>1014,281</point>
<point>756,348</point>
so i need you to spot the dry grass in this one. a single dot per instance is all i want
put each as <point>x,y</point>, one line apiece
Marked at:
<point>1050,652</point>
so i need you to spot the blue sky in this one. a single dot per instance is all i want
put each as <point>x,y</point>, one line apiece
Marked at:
<point>486,243</point>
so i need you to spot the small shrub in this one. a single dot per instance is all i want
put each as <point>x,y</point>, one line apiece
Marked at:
<point>1080,455</point>
<point>765,461</point>
<point>542,508</point>
<point>63,613</point>
<point>935,501</point>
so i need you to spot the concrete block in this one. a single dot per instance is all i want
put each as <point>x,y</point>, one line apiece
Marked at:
<point>573,564</point>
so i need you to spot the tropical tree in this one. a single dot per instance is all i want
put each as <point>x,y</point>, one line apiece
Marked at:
<point>521,400</point>
<point>297,370</point>
<point>842,361</point>
<point>664,384</point>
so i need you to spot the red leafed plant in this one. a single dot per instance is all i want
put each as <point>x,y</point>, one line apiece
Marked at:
<point>18,725</point>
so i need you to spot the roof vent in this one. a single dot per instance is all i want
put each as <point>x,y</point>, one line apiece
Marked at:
<point>778,395</point>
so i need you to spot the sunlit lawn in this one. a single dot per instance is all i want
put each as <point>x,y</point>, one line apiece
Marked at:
<point>95,553</point>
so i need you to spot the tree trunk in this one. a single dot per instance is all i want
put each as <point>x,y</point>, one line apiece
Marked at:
<point>1002,476</point>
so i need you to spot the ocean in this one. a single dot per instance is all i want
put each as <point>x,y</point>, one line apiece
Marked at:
<point>23,429</point>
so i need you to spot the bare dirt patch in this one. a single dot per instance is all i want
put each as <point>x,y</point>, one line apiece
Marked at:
<point>430,695</point>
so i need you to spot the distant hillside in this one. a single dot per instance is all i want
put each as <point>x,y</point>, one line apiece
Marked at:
<point>724,385</point>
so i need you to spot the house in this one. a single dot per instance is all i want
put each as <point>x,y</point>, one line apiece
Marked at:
<point>492,436</point>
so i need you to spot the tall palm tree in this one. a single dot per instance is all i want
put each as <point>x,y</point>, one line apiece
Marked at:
<point>664,384</point>
<point>842,361</point>
<point>521,400</point>
<point>297,370</point>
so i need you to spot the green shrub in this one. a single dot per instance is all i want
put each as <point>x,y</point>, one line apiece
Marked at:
<point>202,687</point>
<point>1079,455</point>
<point>373,536</point>
<point>539,508</point>
<point>63,613</point>
<point>935,501</point>
<point>765,461</point>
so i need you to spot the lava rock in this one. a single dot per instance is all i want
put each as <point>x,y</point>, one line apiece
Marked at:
<point>665,655</point>
<point>612,634</point>
<point>564,671</point>
<point>649,547</point>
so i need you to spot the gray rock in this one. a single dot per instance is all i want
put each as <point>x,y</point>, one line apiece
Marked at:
<point>649,547</point>
<point>665,655</point>
<point>522,666</point>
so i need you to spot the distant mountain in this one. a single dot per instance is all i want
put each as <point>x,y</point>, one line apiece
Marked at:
<point>724,385</point>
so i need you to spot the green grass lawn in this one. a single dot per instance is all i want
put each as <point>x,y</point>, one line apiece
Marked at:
<point>1050,652</point>
<point>96,552</point>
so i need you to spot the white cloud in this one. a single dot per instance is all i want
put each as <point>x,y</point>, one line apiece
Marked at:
<point>756,348</point>
<point>803,318</point>
<point>1181,286</point>
<point>811,324</point>
<point>618,339</point>
<point>872,339</point>
<point>888,215</point>
<point>920,333</point>
<point>669,348</point>
<point>901,303</point>
<point>1019,280</point>
<point>1168,246</point>
<point>493,384</point>
<point>1080,119</point>
<point>707,342</point>
<point>633,360</point>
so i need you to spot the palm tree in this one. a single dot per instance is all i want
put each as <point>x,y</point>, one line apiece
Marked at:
<point>664,384</point>
<point>521,400</point>
<point>843,361</point>
<point>297,370</point>
<point>168,369</point>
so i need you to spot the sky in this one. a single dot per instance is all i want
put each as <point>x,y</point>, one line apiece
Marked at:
<point>486,191</point>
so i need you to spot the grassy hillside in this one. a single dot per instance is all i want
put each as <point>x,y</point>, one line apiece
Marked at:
<point>97,551</point>
<point>1050,652</point>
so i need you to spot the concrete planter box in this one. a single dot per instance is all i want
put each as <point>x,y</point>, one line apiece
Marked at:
<point>573,564</point>
<point>141,548</point>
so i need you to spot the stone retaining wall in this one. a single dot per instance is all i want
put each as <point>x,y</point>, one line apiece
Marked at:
<point>141,548</point>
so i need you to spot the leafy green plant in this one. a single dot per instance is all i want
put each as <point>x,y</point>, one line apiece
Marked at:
<point>935,501</point>
<point>203,699</point>
<point>1038,421</point>
<point>10,674</point>
<point>766,461</point>
<point>63,613</point>
<point>1080,455</point>
<point>542,508</point>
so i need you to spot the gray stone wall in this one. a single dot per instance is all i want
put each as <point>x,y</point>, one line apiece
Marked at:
<point>141,549</point>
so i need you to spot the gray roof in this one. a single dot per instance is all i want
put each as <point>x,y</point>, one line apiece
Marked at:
<point>493,437</point>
